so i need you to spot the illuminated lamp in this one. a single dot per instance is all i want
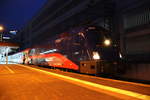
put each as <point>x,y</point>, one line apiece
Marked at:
<point>107,42</point>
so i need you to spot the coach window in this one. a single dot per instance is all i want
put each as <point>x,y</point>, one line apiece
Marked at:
<point>92,67</point>
<point>31,52</point>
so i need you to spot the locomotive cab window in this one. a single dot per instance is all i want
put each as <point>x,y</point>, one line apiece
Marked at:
<point>95,36</point>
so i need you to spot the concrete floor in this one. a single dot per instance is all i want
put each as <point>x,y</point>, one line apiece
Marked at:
<point>21,83</point>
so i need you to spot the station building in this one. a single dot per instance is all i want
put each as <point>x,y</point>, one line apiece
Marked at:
<point>58,16</point>
<point>133,26</point>
<point>128,21</point>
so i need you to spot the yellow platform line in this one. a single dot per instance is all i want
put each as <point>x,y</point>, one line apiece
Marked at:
<point>99,86</point>
<point>9,69</point>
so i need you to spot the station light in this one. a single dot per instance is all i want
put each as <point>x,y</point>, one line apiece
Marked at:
<point>6,38</point>
<point>1,28</point>
<point>13,31</point>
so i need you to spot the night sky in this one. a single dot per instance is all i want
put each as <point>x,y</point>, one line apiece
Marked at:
<point>14,14</point>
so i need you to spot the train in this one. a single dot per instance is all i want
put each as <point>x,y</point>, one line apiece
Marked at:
<point>88,49</point>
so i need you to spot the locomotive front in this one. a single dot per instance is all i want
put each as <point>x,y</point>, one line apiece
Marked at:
<point>102,53</point>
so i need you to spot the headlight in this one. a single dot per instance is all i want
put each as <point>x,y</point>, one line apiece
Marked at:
<point>107,42</point>
<point>96,56</point>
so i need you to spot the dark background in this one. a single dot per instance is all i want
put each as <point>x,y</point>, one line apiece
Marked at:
<point>14,14</point>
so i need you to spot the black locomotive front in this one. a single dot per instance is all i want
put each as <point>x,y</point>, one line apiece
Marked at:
<point>91,48</point>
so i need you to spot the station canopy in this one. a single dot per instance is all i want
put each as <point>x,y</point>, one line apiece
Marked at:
<point>7,48</point>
